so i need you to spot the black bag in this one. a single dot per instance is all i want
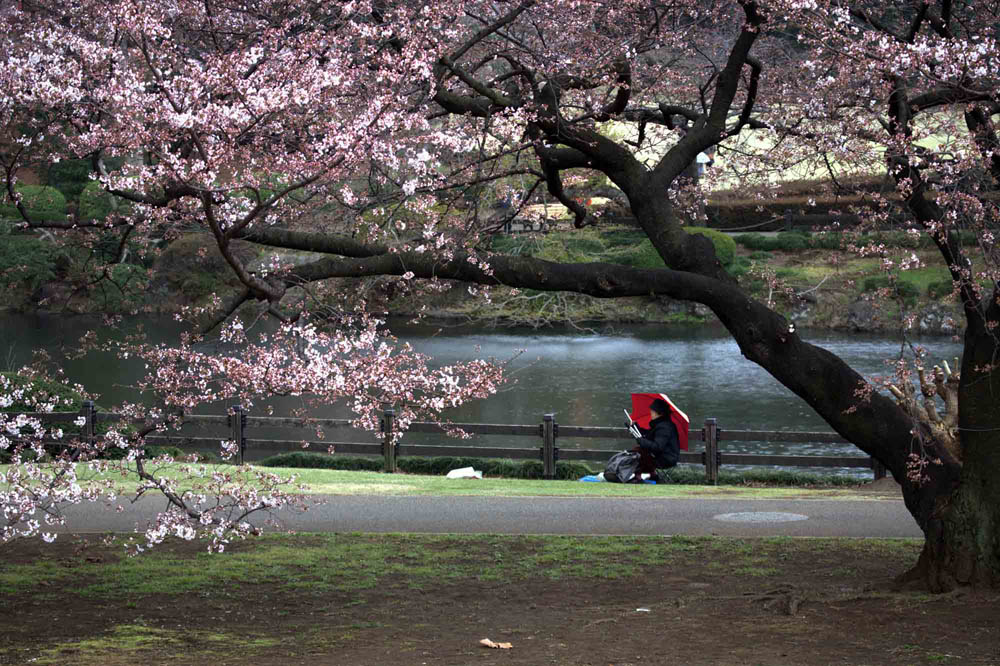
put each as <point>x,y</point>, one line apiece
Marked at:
<point>622,468</point>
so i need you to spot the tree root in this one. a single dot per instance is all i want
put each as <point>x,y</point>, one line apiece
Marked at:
<point>785,599</point>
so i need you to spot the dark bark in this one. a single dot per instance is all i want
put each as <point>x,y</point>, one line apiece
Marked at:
<point>956,498</point>
<point>962,545</point>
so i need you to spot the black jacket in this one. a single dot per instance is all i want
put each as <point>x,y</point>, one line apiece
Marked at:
<point>660,439</point>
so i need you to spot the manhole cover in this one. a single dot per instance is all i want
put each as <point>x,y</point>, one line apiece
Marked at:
<point>760,517</point>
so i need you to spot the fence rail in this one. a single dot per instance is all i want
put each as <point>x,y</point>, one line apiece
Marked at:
<point>238,422</point>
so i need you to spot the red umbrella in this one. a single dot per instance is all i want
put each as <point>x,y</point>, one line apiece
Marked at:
<point>640,414</point>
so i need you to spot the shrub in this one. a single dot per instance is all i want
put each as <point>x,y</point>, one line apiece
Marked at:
<point>644,255</point>
<point>725,246</point>
<point>26,261</point>
<point>641,255</point>
<point>740,266</point>
<point>94,202</point>
<point>64,398</point>
<point>827,240</point>
<point>907,290</point>
<point>124,289</point>
<point>439,466</point>
<point>42,203</point>
<point>312,460</point>
<point>874,283</point>
<point>940,288</point>
<point>154,451</point>
<point>790,241</point>
<point>754,241</point>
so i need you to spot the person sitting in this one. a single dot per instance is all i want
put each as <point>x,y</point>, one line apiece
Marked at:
<point>658,445</point>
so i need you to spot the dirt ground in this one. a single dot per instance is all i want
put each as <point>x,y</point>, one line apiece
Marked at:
<point>829,603</point>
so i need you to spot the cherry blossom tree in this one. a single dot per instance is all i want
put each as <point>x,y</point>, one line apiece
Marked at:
<point>225,116</point>
<point>352,130</point>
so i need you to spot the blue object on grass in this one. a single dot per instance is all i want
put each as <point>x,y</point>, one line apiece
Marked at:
<point>592,478</point>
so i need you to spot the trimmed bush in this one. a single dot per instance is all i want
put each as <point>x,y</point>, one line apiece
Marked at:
<point>827,240</point>
<point>41,201</point>
<point>725,246</point>
<point>940,288</point>
<point>94,202</point>
<point>313,460</point>
<point>907,290</point>
<point>790,241</point>
<point>642,255</point>
<point>758,242</point>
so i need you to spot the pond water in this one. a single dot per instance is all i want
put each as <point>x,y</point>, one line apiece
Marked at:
<point>583,379</point>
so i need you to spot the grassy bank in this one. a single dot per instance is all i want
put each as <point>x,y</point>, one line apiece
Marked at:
<point>819,267</point>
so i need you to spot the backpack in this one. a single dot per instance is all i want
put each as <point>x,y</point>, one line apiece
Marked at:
<point>622,467</point>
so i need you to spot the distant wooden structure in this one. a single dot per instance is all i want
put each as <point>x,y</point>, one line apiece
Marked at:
<point>238,423</point>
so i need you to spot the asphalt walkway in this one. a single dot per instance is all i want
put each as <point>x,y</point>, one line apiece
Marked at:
<point>561,515</point>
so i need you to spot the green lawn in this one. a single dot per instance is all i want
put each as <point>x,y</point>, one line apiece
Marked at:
<point>338,482</point>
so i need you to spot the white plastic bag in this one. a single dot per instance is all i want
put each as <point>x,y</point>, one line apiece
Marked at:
<point>464,473</point>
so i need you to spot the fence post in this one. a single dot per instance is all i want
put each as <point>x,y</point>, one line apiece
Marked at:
<point>238,423</point>
<point>878,469</point>
<point>388,447</point>
<point>549,446</point>
<point>788,219</point>
<point>89,412</point>
<point>711,453</point>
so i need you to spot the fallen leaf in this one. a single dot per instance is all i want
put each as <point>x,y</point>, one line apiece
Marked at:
<point>490,644</point>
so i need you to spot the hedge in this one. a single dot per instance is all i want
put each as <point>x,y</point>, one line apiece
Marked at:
<point>437,466</point>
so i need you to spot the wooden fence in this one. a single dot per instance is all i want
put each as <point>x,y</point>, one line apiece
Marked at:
<point>238,423</point>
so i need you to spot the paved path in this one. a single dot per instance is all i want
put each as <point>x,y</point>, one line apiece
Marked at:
<point>564,515</point>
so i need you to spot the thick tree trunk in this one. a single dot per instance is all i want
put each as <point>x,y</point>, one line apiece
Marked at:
<point>962,547</point>
<point>963,538</point>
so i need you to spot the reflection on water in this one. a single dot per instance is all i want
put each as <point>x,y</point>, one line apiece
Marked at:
<point>582,379</point>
